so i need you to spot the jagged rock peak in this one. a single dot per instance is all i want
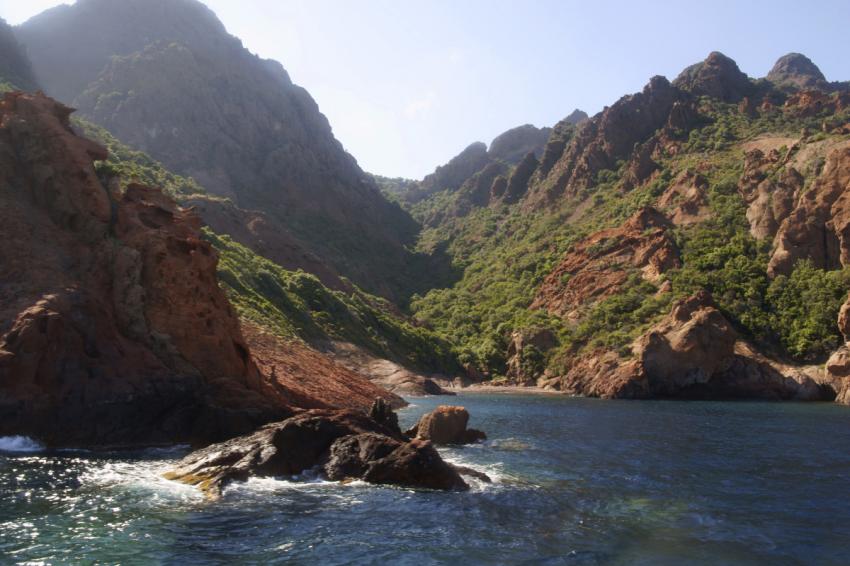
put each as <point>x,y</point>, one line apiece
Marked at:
<point>796,70</point>
<point>718,77</point>
<point>576,117</point>
<point>513,145</point>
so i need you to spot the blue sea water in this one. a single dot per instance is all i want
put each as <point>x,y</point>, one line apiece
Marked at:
<point>577,481</point>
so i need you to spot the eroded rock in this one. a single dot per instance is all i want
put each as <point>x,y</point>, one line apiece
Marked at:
<point>341,444</point>
<point>446,425</point>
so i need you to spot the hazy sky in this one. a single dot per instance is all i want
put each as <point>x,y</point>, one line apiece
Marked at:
<point>408,84</point>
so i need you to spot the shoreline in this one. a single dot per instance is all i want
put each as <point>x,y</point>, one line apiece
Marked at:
<point>484,388</point>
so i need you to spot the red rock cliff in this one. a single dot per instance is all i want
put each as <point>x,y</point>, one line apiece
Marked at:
<point>113,329</point>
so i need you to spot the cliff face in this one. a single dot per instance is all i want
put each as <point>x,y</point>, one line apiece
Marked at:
<point>113,327</point>
<point>601,141</point>
<point>166,78</point>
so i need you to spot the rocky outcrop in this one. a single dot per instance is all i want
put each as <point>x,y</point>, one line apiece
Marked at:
<point>382,460</point>
<point>693,353</point>
<point>166,78</point>
<point>717,77</point>
<point>685,201</point>
<point>769,190</point>
<point>601,141</point>
<point>599,265</point>
<point>453,174</point>
<point>818,228</point>
<point>479,177</point>
<point>838,365</point>
<point>310,379</point>
<point>520,176</point>
<point>446,425</point>
<point>526,354</point>
<point>15,68</point>
<point>512,146</point>
<point>344,444</point>
<point>795,71</point>
<point>113,329</point>
<point>809,103</point>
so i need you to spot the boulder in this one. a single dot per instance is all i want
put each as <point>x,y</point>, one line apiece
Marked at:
<point>446,425</point>
<point>382,460</point>
<point>343,444</point>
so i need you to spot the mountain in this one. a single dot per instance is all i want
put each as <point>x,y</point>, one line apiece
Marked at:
<point>166,78</point>
<point>15,69</point>
<point>664,247</point>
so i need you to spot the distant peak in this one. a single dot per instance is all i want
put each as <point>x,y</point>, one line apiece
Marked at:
<point>718,76</point>
<point>576,117</point>
<point>796,70</point>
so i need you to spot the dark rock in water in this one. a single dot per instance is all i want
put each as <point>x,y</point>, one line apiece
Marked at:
<point>382,460</point>
<point>446,425</point>
<point>473,473</point>
<point>383,414</point>
<point>348,444</point>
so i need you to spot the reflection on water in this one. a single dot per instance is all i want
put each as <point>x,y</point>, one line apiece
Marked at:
<point>577,481</point>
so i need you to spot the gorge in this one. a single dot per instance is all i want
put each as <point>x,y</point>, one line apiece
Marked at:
<point>198,282</point>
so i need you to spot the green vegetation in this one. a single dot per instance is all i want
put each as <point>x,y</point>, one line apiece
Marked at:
<point>135,166</point>
<point>505,253</point>
<point>297,305</point>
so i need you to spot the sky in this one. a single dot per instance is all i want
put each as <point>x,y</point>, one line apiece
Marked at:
<point>408,84</point>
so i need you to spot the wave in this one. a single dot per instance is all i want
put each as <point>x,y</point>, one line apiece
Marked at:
<point>20,444</point>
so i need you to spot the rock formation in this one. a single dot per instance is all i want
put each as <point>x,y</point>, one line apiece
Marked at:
<point>114,329</point>
<point>599,265</point>
<point>446,425</point>
<point>796,72</point>
<point>346,444</point>
<point>526,351</point>
<point>685,201</point>
<point>770,198</point>
<point>513,145</point>
<point>473,174</point>
<point>717,77</point>
<point>693,353</point>
<point>601,141</point>
<point>818,228</point>
<point>341,445</point>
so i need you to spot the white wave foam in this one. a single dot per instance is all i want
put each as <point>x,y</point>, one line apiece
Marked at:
<point>19,444</point>
<point>493,471</point>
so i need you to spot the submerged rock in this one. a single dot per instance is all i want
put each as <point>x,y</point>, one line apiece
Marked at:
<point>446,425</point>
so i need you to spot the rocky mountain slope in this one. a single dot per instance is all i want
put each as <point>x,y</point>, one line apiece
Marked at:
<point>166,78</point>
<point>114,327</point>
<point>665,247</point>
